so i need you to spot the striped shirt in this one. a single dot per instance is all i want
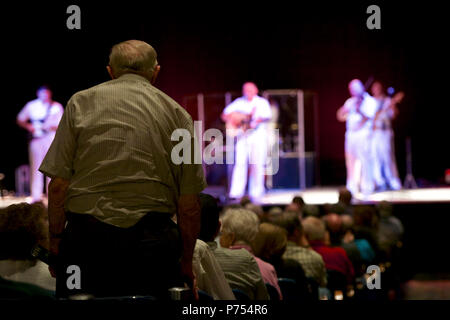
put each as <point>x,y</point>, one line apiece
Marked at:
<point>114,146</point>
<point>241,271</point>
<point>312,263</point>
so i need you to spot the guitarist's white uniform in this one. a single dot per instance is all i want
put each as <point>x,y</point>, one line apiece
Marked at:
<point>384,164</point>
<point>251,148</point>
<point>357,145</point>
<point>42,116</point>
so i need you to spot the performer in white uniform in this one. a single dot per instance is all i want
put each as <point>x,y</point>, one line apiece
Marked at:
<point>41,118</point>
<point>253,113</point>
<point>383,156</point>
<point>358,112</point>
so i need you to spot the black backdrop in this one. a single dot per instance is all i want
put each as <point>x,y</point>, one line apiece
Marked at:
<point>216,46</point>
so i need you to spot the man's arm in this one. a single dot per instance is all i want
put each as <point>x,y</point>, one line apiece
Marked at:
<point>188,220</point>
<point>57,191</point>
<point>342,113</point>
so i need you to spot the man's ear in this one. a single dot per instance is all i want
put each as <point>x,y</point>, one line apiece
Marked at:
<point>110,72</point>
<point>155,74</point>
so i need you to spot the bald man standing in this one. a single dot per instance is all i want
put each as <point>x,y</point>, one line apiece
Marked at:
<point>253,112</point>
<point>118,190</point>
<point>358,113</point>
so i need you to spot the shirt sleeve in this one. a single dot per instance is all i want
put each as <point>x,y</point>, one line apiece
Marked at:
<point>24,114</point>
<point>231,107</point>
<point>58,161</point>
<point>264,110</point>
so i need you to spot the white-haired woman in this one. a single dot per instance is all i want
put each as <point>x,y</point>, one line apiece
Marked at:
<point>239,229</point>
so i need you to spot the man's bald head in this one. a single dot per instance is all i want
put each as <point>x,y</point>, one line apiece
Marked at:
<point>249,90</point>
<point>333,222</point>
<point>356,88</point>
<point>133,56</point>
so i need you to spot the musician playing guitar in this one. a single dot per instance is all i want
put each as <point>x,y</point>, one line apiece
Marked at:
<point>382,142</point>
<point>246,119</point>
<point>40,117</point>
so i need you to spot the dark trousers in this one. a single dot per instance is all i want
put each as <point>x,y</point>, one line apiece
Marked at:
<point>141,260</point>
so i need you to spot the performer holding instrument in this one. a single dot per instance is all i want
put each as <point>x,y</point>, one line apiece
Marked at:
<point>246,119</point>
<point>383,155</point>
<point>358,113</point>
<point>40,117</point>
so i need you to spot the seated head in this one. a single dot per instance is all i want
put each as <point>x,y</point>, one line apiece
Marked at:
<point>270,241</point>
<point>239,226</point>
<point>314,229</point>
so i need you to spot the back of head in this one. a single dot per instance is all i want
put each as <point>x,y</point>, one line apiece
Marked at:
<point>270,242</point>
<point>209,217</point>
<point>314,229</point>
<point>333,223</point>
<point>345,196</point>
<point>365,216</point>
<point>347,223</point>
<point>289,221</point>
<point>299,201</point>
<point>22,226</point>
<point>133,56</point>
<point>385,209</point>
<point>242,223</point>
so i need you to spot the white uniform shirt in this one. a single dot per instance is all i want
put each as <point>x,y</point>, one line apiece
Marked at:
<point>368,108</point>
<point>261,105</point>
<point>36,112</point>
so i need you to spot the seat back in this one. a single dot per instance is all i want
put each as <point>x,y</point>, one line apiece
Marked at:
<point>273,292</point>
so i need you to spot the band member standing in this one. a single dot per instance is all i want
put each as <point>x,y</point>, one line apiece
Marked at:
<point>246,118</point>
<point>383,155</point>
<point>41,118</point>
<point>358,112</point>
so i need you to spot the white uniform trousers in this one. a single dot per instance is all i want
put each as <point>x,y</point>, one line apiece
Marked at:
<point>38,148</point>
<point>358,162</point>
<point>383,155</point>
<point>250,152</point>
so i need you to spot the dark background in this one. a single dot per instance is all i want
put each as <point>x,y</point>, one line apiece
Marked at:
<point>216,46</point>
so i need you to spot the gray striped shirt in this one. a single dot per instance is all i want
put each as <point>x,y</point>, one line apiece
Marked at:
<point>114,146</point>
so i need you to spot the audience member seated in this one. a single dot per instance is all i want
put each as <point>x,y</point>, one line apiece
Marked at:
<point>22,227</point>
<point>297,248</point>
<point>208,273</point>
<point>344,204</point>
<point>365,221</point>
<point>239,228</point>
<point>270,245</point>
<point>390,229</point>
<point>262,215</point>
<point>298,200</point>
<point>239,266</point>
<point>310,210</point>
<point>335,228</point>
<point>366,253</point>
<point>293,207</point>
<point>335,258</point>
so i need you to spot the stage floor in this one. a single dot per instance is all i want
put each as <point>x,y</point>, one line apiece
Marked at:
<point>319,195</point>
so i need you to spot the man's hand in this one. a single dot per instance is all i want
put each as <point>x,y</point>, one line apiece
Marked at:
<point>189,277</point>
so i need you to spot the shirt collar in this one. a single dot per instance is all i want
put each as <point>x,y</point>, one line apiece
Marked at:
<point>133,76</point>
<point>242,246</point>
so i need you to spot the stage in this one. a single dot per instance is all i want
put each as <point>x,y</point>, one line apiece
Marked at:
<point>318,196</point>
<point>323,195</point>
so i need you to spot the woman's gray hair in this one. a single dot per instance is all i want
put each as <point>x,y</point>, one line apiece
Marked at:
<point>132,56</point>
<point>243,223</point>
